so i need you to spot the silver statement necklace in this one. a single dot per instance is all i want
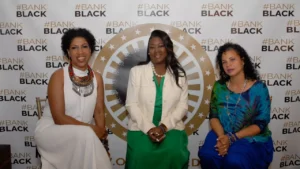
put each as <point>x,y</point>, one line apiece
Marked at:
<point>153,68</point>
<point>237,102</point>
<point>83,90</point>
<point>80,89</point>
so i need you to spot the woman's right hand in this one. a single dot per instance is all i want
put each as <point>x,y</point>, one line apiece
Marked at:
<point>222,145</point>
<point>156,134</point>
<point>100,132</point>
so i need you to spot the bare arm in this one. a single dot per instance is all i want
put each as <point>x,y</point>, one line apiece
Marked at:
<point>216,126</point>
<point>248,131</point>
<point>99,109</point>
<point>57,103</point>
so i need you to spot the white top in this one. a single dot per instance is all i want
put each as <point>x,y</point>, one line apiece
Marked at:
<point>140,100</point>
<point>79,107</point>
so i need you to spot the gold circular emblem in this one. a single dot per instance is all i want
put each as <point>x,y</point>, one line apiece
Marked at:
<point>193,58</point>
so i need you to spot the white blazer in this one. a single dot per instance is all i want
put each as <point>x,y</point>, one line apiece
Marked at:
<point>141,93</point>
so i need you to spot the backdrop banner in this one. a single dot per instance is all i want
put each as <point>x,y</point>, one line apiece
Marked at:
<point>30,51</point>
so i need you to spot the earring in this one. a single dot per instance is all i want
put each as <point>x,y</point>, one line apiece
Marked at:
<point>68,56</point>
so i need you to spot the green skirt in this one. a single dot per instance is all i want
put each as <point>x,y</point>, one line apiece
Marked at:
<point>171,153</point>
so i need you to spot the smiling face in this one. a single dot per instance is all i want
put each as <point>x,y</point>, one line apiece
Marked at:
<point>157,51</point>
<point>232,63</point>
<point>80,53</point>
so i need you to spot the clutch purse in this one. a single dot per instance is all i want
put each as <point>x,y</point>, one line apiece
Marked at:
<point>105,144</point>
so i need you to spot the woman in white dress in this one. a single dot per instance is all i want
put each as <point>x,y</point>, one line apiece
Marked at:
<point>65,135</point>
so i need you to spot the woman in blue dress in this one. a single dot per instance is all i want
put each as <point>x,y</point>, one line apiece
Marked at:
<point>239,115</point>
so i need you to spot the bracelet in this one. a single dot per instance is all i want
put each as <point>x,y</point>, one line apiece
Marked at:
<point>236,138</point>
<point>162,128</point>
<point>232,137</point>
<point>230,142</point>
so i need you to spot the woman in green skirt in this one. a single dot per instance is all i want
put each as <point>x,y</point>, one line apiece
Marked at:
<point>157,100</point>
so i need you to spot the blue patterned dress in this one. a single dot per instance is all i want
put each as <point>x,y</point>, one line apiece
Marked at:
<point>253,107</point>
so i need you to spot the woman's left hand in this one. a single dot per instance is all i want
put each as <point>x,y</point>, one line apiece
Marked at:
<point>224,139</point>
<point>222,145</point>
<point>156,134</point>
<point>105,135</point>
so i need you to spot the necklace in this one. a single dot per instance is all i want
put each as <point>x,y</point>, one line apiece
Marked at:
<point>82,85</point>
<point>237,102</point>
<point>81,81</point>
<point>153,68</point>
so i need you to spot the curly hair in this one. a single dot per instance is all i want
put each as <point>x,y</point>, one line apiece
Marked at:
<point>171,61</point>
<point>69,35</point>
<point>249,70</point>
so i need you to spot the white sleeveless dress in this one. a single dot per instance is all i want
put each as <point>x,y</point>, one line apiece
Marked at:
<point>71,146</point>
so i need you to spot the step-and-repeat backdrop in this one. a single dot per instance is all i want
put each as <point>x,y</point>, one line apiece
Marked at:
<point>30,33</point>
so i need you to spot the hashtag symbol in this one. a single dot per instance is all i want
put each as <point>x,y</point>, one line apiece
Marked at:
<point>18,7</point>
<point>287,93</point>
<point>48,58</point>
<point>77,7</point>
<point>24,107</point>
<point>26,138</point>
<point>203,41</point>
<point>19,41</point>
<point>1,91</point>
<point>266,6</point>
<point>108,24</point>
<point>289,60</point>
<point>290,23</point>
<point>283,158</point>
<point>265,41</point>
<point>233,24</point>
<point>286,124</point>
<point>22,75</point>
<point>140,6</point>
<point>204,6</point>
<point>46,25</point>
<point>173,23</point>
<point>28,167</point>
